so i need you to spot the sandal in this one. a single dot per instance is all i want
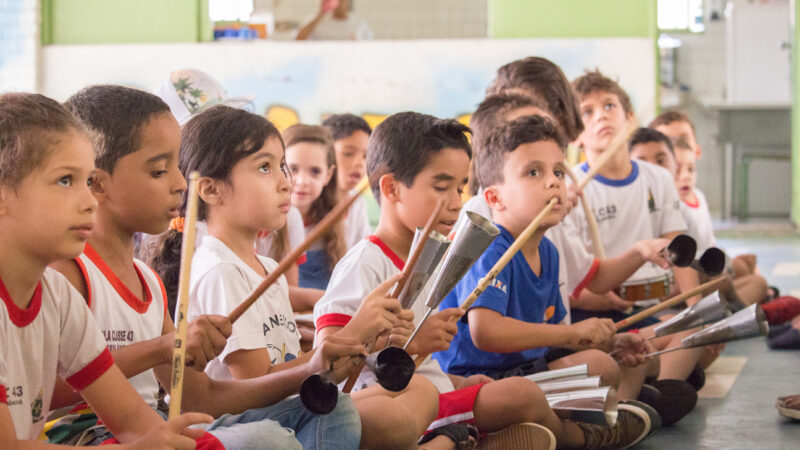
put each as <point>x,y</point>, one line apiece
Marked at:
<point>530,436</point>
<point>783,410</point>
<point>464,435</point>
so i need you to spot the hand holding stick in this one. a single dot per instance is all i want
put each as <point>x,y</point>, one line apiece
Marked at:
<point>182,306</point>
<point>289,260</point>
<point>501,263</point>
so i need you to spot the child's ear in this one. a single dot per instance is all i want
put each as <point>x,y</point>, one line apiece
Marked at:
<point>209,190</point>
<point>389,187</point>
<point>331,171</point>
<point>493,198</point>
<point>99,186</point>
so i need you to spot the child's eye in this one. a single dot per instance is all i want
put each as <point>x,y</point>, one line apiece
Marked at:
<point>90,181</point>
<point>65,181</point>
<point>284,169</point>
<point>264,168</point>
<point>440,188</point>
<point>586,113</point>
<point>460,190</point>
<point>316,171</point>
<point>559,173</point>
<point>158,173</point>
<point>533,172</point>
<point>609,106</point>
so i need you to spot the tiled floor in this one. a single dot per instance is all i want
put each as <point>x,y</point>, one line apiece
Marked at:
<point>746,417</point>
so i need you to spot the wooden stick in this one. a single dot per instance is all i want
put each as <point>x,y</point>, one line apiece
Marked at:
<point>289,260</point>
<point>501,264</point>
<point>617,143</point>
<point>407,269</point>
<point>597,244</point>
<point>711,285</point>
<point>182,305</point>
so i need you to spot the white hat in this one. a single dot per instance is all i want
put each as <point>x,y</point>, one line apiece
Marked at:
<point>188,91</point>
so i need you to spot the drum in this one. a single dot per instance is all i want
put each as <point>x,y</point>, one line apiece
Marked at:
<point>647,289</point>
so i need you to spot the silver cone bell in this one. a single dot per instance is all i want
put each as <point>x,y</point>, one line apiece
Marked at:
<point>708,310</point>
<point>596,406</point>
<point>558,386</point>
<point>435,246</point>
<point>749,322</point>
<point>579,372</point>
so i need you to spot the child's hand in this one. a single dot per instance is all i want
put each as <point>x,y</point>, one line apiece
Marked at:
<point>615,302</point>
<point>377,313</point>
<point>332,348</point>
<point>592,332</point>
<point>630,349</point>
<point>436,333</point>
<point>174,434</point>
<point>574,195</point>
<point>403,327</point>
<point>205,339</point>
<point>653,250</point>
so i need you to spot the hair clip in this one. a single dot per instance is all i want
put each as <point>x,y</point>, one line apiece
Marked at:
<point>177,224</point>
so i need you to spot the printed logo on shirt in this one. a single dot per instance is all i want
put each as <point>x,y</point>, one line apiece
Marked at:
<point>499,285</point>
<point>284,356</point>
<point>279,320</point>
<point>549,313</point>
<point>651,202</point>
<point>36,408</point>
<point>605,213</point>
<point>118,338</point>
<point>14,395</point>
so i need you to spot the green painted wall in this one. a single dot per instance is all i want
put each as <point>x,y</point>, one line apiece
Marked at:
<point>796,112</point>
<point>124,21</point>
<point>572,18</point>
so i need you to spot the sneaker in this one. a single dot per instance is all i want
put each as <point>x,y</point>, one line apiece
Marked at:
<point>678,399</point>
<point>521,435</point>
<point>633,425</point>
<point>652,414</point>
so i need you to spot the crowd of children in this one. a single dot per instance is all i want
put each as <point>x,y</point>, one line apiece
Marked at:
<point>93,196</point>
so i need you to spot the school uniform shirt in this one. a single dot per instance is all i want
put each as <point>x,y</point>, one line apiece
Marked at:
<point>356,223</point>
<point>122,317</point>
<point>517,293</point>
<point>220,281</point>
<point>576,266</point>
<point>698,221</point>
<point>358,273</point>
<point>54,335</point>
<point>643,205</point>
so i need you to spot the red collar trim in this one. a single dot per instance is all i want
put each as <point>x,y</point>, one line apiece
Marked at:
<point>398,261</point>
<point>22,317</point>
<point>130,298</point>
<point>695,204</point>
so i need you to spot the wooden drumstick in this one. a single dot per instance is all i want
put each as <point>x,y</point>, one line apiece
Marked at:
<point>708,286</point>
<point>182,305</point>
<point>289,260</point>
<point>616,144</point>
<point>501,263</point>
<point>407,269</point>
<point>597,244</point>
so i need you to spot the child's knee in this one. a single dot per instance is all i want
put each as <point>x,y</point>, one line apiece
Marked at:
<point>385,423</point>
<point>525,397</point>
<point>603,365</point>
<point>428,396</point>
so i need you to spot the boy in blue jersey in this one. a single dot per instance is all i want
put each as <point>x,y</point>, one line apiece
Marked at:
<point>518,317</point>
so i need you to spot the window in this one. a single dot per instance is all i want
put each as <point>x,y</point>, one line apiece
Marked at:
<point>681,15</point>
<point>230,10</point>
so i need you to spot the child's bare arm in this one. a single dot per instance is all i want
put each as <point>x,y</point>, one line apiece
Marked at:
<point>612,272</point>
<point>304,299</point>
<point>493,332</point>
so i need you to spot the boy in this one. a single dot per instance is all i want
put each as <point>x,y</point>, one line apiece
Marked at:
<point>350,136</point>
<point>139,187</point>
<point>47,214</point>
<point>632,200</point>
<point>413,161</point>
<point>677,126</point>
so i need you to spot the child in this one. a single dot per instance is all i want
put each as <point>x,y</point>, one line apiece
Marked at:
<point>311,161</point>
<point>413,161</point>
<point>677,126</point>
<point>632,200</point>
<point>249,192</point>
<point>139,189</point>
<point>350,135</point>
<point>46,214</point>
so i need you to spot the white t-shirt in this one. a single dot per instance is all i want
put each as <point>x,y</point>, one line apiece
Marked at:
<point>220,281</point>
<point>356,223</point>
<point>643,205</point>
<point>55,335</point>
<point>357,274</point>
<point>294,224</point>
<point>122,317</point>
<point>576,266</point>
<point>698,222</point>
<point>331,29</point>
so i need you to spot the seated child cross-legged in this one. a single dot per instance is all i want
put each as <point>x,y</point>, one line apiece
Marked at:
<point>47,213</point>
<point>414,160</point>
<point>139,188</point>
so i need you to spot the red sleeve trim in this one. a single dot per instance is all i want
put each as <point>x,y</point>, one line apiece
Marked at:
<point>302,259</point>
<point>332,320</point>
<point>589,276</point>
<point>3,398</point>
<point>81,379</point>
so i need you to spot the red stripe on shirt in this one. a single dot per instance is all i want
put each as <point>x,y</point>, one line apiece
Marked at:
<point>589,276</point>
<point>695,204</point>
<point>81,379</point>
<point>302,259</point>
<point>22,317</point>
<point>130,298</point>
<point>332,320</point>
<point>3,398</point>
<point>398,261</point>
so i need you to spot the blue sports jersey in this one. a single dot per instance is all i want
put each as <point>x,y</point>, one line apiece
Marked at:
<point>516,292</point>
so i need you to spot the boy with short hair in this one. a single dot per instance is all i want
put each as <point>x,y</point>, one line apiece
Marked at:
<point>677,126</point>
<point>46,214</point>
<point>414,160</point>
<point>632,200</point>
<point>139,188</point>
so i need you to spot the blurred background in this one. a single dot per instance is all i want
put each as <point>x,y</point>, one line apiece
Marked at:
<point>730,64</point>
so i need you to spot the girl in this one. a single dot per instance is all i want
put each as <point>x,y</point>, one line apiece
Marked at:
<point>312,163</point>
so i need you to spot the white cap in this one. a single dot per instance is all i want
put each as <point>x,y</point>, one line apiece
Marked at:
<point>188,91</point>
